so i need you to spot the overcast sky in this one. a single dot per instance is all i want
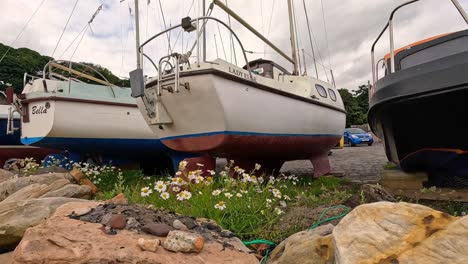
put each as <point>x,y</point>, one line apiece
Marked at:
<point>351,27</point>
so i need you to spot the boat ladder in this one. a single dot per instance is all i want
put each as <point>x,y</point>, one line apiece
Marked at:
<point>10,129</point>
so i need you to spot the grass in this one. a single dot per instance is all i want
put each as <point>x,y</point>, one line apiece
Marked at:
<point>250,206</point>
<point>390,166</point>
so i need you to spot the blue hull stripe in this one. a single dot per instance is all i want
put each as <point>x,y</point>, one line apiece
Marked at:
<point>98,144</point>
<point>242,133</point>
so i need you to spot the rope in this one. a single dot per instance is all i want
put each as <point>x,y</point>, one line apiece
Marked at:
<point>165,27</point>
<point>326,34</point>
<point>318,223</point>
<point>83,31</point>
<point>22,30</point>
<point>64,28</point>
<point>310,38</point>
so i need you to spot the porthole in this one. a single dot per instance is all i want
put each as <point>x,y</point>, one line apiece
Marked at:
<point>321,90</point>
<point>332,94</point>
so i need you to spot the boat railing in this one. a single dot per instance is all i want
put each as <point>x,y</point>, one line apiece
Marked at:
<point>174,58</point>
<point>389,26</point>
<point>74,75</point>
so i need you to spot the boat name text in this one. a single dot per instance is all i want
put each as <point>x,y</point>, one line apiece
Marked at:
<point>240,73</point>
<point>39,110</point>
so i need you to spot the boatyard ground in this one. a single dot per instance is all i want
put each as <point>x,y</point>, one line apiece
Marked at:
<point>360,164</point>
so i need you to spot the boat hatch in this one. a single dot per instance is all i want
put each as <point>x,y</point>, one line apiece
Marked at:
<point>266,68</point>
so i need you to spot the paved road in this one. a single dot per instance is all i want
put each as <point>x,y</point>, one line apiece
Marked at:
<point>359,164</point>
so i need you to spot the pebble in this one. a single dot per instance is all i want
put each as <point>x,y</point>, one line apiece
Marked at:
<point>157,229</point>
<point>106,219</point>
<point>120,199</point>
<point>132,223</point>
<point>181,241</point>
<point>81,211</point>
<point>213,227</point>
<point>189,222</point>
<point>118,221</point>
<point>149,244</point>
<point>177,224</point>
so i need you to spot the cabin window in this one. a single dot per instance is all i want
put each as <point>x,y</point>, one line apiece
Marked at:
<point>332,94</point>
<point>321,90</point>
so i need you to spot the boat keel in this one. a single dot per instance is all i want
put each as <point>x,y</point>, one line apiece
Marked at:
<point>321,165</point>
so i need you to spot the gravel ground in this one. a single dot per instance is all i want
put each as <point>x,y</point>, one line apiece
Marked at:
<point>359,164</point>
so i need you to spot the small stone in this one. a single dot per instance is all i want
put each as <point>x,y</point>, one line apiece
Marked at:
<point>106,219</point>
<point>160,230</point>
<point>177,224</point>
<point>81,211</point>
<point>189,222</point>
<point>119,199</point>
<point>149,244</point>
<point>132,223</point>
<point>213,227</point>
<point>180,241</point>
<point>118,221</point>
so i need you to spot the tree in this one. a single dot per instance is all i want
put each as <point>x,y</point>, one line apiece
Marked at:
<point>17,62</point>
<point>356,105</point>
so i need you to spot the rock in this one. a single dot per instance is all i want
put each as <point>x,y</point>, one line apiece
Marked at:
<point>189,222</point>
<point>149,244</point>
<point>177,224</point>
<point>53,169</point>
<point>17,216</point>
<point>385,232</point>
<point>81,211</point>
<point>61,239</point>
<point>305,247</point>
<point>29,192</point>
<point>13,185</point>
<point>118,221</point>
<point>80,178</point>
<point>71,191</point>
<point>181,241</point>
<point>369,193</point>
<point>106,219</point>
<point>5,175</point>
<point>236,244</point>
<point>213,227</point>
<point>132,223</point>
<point>157,229</point>
<point>6,258</point>
<point>36,190</point>
<point>118,199</point>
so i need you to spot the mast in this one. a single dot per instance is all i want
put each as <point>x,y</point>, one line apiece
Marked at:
<point>137,35</point>
<point>293,45</point>
<point>204,31</point>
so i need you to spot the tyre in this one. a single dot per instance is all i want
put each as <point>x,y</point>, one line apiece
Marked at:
<point>352,144</point>
<point>369,144</point>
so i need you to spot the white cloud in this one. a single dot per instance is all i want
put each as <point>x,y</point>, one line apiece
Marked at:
<point>352,26</point>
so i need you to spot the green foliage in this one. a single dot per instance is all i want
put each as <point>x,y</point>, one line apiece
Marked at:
<point>356,105</point>
<point>390,166</point>
<point>16,63</point>
<point>23,60</point>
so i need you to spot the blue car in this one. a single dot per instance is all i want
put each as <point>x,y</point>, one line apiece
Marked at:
<point>355,136</point>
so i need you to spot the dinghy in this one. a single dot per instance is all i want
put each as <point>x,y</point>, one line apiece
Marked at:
<point>258,113</point>
<point>419,107</point>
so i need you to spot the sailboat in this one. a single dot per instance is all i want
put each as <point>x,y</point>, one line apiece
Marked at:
<point>10,143</point>
<point>88,117</point>
<point>418,106</point>
<point>256,113</point>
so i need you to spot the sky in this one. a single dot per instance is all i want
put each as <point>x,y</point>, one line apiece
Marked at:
<point>342,31</point>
